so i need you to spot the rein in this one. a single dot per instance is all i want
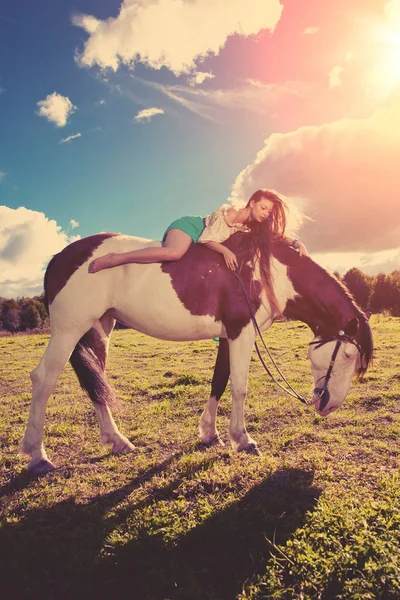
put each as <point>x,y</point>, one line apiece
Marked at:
<point>289,390</point>
<point>321,392</point>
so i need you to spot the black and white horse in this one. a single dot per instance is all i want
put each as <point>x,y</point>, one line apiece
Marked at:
<point>194,298</point>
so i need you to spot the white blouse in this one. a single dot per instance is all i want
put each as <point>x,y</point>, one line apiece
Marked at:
<point>217,228</point>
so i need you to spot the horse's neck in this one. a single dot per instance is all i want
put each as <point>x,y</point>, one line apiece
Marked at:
<point>320,299</point>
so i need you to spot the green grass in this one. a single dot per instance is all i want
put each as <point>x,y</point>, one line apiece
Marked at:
<point>317,517</point>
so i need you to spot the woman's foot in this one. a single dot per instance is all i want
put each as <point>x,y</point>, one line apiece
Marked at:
<point>104,262</point>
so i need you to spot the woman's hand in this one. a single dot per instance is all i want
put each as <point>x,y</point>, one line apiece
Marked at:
<point>230,259</point>
<point>301,249</point>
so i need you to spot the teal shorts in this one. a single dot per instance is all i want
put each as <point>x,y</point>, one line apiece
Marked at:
<point>193,226</point>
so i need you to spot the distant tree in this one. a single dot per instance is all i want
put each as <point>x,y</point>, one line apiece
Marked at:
<point>10,319</point>
<point>380,299</point>
<point>360,285</point>
<point>29,315</point>
<point>9,303</point>
<point>377,301</point>
<point>44,316</point>
<point>396,276</point>
<point>393,291</point>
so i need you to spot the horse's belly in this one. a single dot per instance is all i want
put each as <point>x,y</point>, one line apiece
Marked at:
<point>150,305</point>
<point>194,328</point>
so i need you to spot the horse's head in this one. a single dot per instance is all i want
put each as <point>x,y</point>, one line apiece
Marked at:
<point>335,360</point>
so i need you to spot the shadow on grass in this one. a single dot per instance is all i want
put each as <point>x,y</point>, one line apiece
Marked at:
<point>19,482</point>
<point>61,552</point>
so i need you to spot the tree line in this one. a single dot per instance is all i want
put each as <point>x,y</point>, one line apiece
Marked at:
<point>23,314</point>
<point>373,293</point>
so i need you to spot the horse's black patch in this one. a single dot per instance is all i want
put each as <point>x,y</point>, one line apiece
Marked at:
<point>206,286</point>
<point>65,263</point>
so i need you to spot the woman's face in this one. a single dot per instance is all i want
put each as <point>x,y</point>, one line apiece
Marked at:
<point>262,209</point>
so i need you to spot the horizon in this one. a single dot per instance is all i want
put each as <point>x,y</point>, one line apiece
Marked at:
<point>123,116</point>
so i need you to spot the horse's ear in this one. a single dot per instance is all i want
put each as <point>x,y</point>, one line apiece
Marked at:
<point>351,328</point>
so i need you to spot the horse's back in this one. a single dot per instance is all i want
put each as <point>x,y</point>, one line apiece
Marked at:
<point>139,295</point>
<point>67,275</point>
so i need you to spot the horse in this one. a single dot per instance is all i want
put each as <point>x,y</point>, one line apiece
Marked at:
<point>194,298</point>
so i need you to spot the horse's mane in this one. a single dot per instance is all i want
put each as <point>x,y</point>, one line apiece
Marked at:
<point>322,301</point>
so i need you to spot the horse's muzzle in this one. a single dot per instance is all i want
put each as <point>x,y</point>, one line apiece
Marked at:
<point>321,402</point>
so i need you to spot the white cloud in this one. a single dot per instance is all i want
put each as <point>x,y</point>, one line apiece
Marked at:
<point>73,223</point>
<point>69,138</point>
<point>310,31</point>
<point>101,102</point>
<point>249,95</point>
<point>56,109</point>
<point>87,22</point>
<point>148,113</point>
<point>372,263</point>
<point>28,239</point>
<point>344,175</point>
<point>195,30</point>
<point>335,77</point>
<point>2,175</point>
<point>199,77</point>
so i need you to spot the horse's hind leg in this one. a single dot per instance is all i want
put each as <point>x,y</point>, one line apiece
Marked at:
<point>44,379</point>
<point>99,339</point>
<point>208,426</point>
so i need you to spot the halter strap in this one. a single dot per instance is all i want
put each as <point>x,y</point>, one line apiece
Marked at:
<point>341,338</point>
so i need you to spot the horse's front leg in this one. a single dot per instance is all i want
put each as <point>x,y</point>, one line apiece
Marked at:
<point>240,352</point>
<point>208,427</point>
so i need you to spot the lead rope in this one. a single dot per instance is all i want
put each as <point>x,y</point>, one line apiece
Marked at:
<point>291,391</point>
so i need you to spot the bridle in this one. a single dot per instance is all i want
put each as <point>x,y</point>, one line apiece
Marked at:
<point>341,337</point>
<point>320,392</point>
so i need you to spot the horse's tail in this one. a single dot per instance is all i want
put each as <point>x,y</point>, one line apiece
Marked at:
<point>90,370</point>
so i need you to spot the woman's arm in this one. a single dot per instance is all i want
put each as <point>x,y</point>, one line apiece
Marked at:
<point>217,230</point>
<point>229,256</point>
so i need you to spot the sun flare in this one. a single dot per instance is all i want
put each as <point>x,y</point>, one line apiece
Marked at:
<point>386,72</point>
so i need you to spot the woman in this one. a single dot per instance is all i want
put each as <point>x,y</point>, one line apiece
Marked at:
<point>264,206</point>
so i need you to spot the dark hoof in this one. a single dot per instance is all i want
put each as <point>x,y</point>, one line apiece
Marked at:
<point>215,441</point>
<point>252,449</point>
<point>124,448</point>
<point>41,468</point>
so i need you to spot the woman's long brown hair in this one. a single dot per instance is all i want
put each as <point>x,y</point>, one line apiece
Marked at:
<point>262,234</point>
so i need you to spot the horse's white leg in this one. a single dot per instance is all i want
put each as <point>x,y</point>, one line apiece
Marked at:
<point>109,432</point>
<point>240,352</point>
<point>44,379</point>
<point>208,427</point>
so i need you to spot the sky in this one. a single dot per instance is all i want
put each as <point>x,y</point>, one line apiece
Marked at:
<point>125,116</point>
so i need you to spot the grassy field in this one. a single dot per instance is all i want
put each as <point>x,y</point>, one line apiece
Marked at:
<point>317,517</point>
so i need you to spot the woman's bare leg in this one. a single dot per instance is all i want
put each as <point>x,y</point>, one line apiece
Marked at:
<point>175,246</point>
